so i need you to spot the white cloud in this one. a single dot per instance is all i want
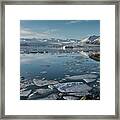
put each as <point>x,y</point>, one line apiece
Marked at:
<point>76,21</point>
<point>25,32</point>
<point>28,33</point>
<point>73,21</point>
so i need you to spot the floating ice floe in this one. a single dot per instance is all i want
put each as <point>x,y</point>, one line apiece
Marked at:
<point>53,96</point>
<point>39,93</point>
<point>84,93</point>
<point>51,86</point>
<point>84,53</point>
<point>94,72</point>
<point>41,83</point>
<point>98,81</point>
<point>72,87</point>
<point>85,76</point>
<point>89,80</point>
<point>43,72</point>
<point>67,75</point>
<point>71,98</point>
<point>25,93</point>
<point>43,91</point>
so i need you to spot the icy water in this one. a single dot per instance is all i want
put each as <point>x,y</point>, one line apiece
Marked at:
<point>56,66</point>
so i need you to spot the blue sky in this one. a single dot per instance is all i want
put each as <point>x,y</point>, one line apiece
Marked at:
<point>63,29</point>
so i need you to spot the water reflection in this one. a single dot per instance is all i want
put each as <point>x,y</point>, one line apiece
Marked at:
<point>59,74</point>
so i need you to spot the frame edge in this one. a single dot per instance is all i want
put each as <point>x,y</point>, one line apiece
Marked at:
<point>2,82</point>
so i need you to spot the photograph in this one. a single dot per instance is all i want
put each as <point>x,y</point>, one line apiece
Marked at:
<point>60,59</point>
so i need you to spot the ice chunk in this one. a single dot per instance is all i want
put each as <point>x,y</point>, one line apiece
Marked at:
<point>85,76</point>
<point>40,93</point>
<point>71,98</point>
<point>41,83</point>
<point>80,94</point>
<point>89,80</point>
<point>43,91</point>
<point>25,93</point>
<point>43,72</point>
<point>72,87</point>
<point>51,97</point>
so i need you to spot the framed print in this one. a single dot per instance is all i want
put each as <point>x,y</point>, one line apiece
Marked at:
<point>60,60</point>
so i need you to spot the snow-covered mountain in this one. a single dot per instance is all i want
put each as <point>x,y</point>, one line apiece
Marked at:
<point>91,40</point>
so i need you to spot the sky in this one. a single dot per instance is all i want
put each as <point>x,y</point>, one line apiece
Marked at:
<point>62,29</point>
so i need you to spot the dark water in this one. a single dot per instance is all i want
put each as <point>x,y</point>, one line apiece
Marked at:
<point>56,66</point>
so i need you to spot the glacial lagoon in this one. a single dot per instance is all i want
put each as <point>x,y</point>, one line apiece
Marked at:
<point>59,76</point>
